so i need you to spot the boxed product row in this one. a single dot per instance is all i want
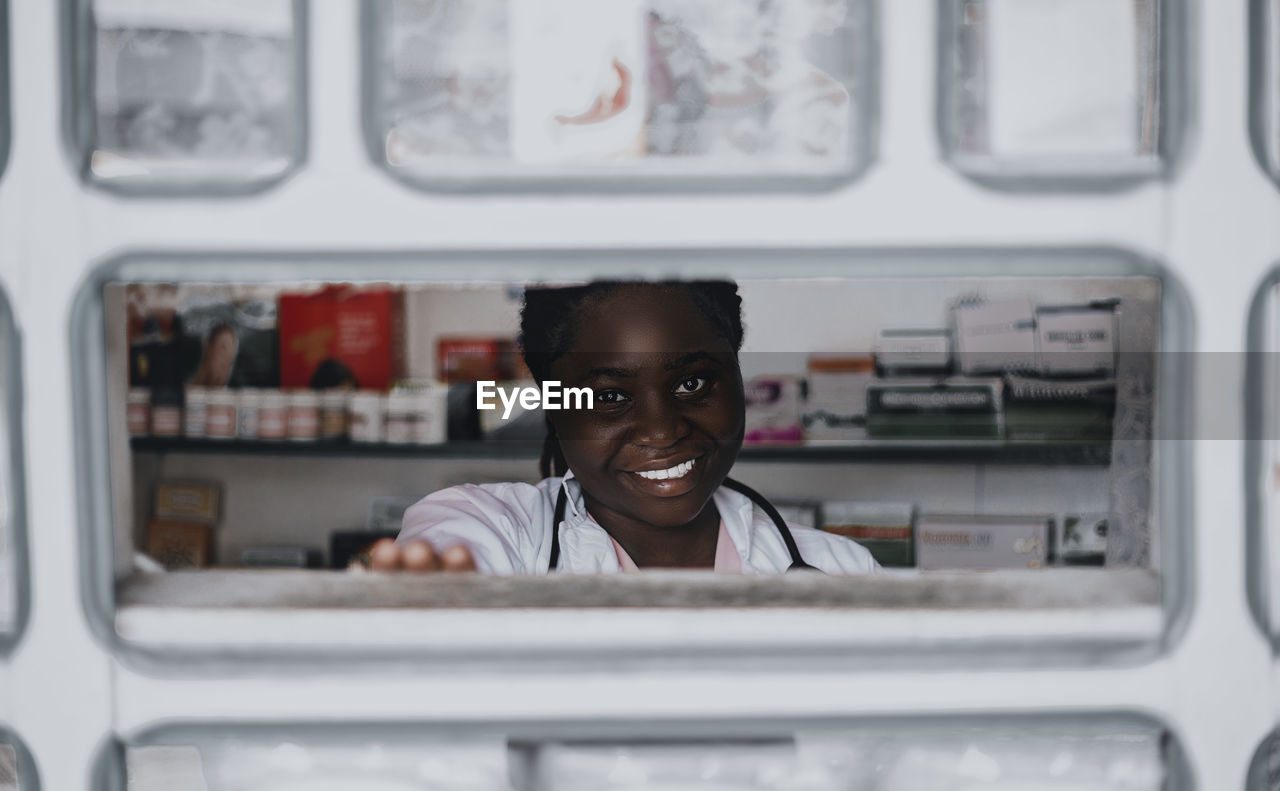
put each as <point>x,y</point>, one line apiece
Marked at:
<point>898,535</point>
<point>1004,369</point>
<point>843,400</point>
<point>403,416</point>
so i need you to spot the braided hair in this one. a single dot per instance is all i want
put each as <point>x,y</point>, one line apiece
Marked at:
<point>549,319</point>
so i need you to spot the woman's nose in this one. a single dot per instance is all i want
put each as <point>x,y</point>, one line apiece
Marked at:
<point>658,423</point>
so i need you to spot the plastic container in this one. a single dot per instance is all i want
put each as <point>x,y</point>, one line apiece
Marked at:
<point>249,403</point>
<point>273,416</point>
<point>166,412</point>
<point>304,416</point>
<point>138,411</point>
<point>365,415</point>
<point>224,415</point>
<point>430,416</point>
<point>333,414</point>
<point>401,417</point>
<point>195,419</point>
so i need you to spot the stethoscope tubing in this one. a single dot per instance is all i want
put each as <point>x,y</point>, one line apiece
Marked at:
<point>797,562</point>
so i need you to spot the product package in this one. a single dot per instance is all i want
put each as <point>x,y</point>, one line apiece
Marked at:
<point>342,336</point>
<point>1082,539</point>
<point>935,409</point>
<point>983,542</point>
<point>1059,410</point>
<point>913,352</point>
<point>836,405</point>
<point>1077,340</point>
<point>995,336</point>
<point>476,359</point>
<point>190,500</point>
<point>773,410</point>
<point>181,533</point>
<point>885,529</point>
<point>180,544</point>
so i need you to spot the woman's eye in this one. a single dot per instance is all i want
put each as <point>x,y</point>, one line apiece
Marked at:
<point>610,397</point>
<point>692,384</point>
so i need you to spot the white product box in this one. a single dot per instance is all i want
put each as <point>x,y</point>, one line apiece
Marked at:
<point>983,542</point>
<point>1076,340</point>
<point>773,409</point>
<point>913,351</point>
<point>995,336</point>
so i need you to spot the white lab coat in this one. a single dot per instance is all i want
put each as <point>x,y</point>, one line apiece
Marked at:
<point>507,527</point>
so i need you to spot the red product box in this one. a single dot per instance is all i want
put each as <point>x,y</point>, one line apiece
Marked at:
<point>466,359</point>
<point>342,336</point>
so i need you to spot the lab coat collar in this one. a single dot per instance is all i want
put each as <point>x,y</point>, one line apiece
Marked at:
<point>585,546</point>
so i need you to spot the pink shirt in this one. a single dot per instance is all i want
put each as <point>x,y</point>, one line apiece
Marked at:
<point>727,558</point>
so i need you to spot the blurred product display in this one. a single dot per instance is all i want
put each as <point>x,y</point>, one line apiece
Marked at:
<point>644,92</point>
<point>187,95</point>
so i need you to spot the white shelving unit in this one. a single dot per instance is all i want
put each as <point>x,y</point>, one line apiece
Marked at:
<point>1211,682</point>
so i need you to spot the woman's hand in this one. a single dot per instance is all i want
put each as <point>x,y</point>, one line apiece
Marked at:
<point>418,555</point>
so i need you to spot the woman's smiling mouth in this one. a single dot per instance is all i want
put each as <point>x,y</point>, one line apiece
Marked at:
<point>678,471</point>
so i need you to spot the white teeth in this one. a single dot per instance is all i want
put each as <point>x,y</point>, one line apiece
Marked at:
<point>678,471</point>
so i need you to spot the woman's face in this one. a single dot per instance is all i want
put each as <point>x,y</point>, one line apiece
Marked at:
<point>221,355</point>
<point>667,421</point>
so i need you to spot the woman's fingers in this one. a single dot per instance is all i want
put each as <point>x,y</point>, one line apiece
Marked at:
<point>419,556</point>
<point>384,555</point>
<point>458,558</point>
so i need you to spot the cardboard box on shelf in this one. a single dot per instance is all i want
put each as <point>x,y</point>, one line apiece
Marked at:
<point>180,544</point>
<point>342,336</point>
<point>836,405</point>
<point>197,501</point>
<point>1077,340</point>
<point>913,352</point>
<point>983,542</point>
<point>885,529</point>
<point>773,410</point>
<point>959,407</point>
<point>995,336</point>
<point>1082,539</point>
<point>473,359</point>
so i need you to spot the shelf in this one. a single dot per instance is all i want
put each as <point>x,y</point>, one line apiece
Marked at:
<point>942,451</point>
<point>900,617</point>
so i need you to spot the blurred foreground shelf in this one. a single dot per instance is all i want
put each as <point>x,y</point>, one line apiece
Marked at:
<point>958,451</point>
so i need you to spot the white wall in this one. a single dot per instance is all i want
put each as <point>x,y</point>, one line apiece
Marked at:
<point>1215,225</point>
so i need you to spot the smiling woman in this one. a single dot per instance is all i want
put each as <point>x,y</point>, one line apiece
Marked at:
<point>639,479</point>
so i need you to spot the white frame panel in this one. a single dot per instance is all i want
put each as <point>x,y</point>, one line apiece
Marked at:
<point>156,632</point>
<point>1081,172</point>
